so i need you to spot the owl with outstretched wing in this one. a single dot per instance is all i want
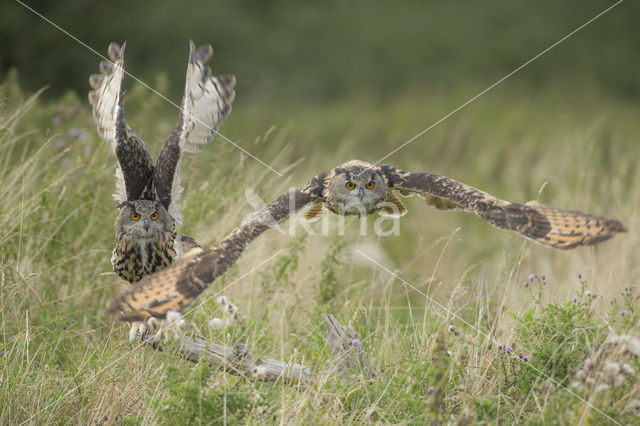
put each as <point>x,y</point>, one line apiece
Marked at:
<point>356,188</point>
<point>147,193</point>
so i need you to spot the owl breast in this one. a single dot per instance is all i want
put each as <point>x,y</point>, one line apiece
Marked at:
<point>134,258</point>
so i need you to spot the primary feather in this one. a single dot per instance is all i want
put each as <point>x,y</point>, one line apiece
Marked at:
<point>177,286</point>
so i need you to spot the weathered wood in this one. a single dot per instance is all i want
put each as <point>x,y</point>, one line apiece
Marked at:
<point>346,349</point>
<point>239,360</point>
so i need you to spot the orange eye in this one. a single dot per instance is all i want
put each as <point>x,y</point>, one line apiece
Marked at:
<point>154,216</point>
<point>350,185</point>
<point>371,184</point>
<point>135,216</point>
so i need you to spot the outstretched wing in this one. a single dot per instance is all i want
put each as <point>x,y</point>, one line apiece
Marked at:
<point>135,165</point>
<point>206,103</point>
<point>563,229</point>
<point>177,286</point>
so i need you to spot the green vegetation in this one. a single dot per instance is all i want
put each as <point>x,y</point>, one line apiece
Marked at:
<point>63,361</point>
<point>286,50</point>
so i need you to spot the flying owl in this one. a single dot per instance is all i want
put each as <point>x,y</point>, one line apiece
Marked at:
<point>355,188</point>
<point>146,238</point>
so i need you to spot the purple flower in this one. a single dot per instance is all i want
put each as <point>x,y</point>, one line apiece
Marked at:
<point>430,389</point>
<point>509,349</point>
<point>74,132</point>
<point>623,312</point>
<point>355,342</point>
<point>575,299</point>
<point>500,345</point>
<point>60,143</point>
<point>272,378</point>
<point>526,358</point>
<point>531,277</point>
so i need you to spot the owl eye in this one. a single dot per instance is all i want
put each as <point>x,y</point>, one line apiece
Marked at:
<point>350,185</point>
<point>154,216</point>
<point>371,184</point>
<point>135,216</point>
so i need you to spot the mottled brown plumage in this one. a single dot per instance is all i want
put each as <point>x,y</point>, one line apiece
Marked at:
<point>355,188</point>
<point>146,240</point>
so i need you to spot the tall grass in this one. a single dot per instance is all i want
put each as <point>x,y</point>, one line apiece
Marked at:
<point>436,349</point>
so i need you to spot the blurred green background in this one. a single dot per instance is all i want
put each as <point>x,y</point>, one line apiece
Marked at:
<point>301,51</point>
<point>320,83</point>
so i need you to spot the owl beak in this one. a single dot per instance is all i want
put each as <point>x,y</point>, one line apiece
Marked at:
<point>146,224</point>
<point>361,193</point>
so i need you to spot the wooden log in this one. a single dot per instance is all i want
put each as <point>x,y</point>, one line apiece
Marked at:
<point>347,350</point>
<point>239,360</point>
<point>351,358</point>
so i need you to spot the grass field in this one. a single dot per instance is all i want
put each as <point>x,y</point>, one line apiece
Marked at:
<point>441,352</point>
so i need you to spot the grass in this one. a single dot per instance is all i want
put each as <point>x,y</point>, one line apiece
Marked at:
<point>442,358</point>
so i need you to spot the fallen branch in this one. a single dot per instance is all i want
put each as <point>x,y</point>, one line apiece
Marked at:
<point>346,349</point>
<point>351,358</point>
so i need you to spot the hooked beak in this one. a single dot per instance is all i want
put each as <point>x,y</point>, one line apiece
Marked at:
<point>361,192</point>
<point>146,224</point>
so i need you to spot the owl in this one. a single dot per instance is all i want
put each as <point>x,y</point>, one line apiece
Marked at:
<point>147,193</point>
<point>356,188</point>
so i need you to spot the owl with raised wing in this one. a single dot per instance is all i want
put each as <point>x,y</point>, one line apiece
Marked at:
<point>147,193</point>
<point>356,188</point>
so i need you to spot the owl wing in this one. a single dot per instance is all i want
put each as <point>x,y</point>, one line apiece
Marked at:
<point>563,229</point>
<point>135,165</point>
<point>206,103</point>
<point>177,286</point>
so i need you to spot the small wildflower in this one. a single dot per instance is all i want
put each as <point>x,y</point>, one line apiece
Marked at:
<point>255,397</point>
<point>59,143</point>
<point>575,299</point>
<point>623,312</point>
<point>509,349</point>
<point>526,358</point>
<point>272,378</point>
<point>627,369</point>
<point>259,371</point>
<point>430,389</point>
<point>355,342</point>
<point>500,345</point>
<point>531,277</point>
<point>74,132</point>
<point>216,323</point>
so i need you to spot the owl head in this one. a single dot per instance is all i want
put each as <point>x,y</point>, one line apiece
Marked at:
<point>356,188</point>
<point>143,219</point>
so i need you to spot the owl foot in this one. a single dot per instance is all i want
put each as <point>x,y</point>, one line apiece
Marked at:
<point>140,330</point>
<point>136,328</point>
